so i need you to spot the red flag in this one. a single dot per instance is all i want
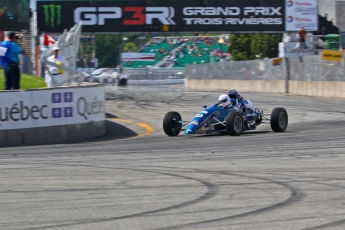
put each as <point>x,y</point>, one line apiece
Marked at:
<point>47,40</point>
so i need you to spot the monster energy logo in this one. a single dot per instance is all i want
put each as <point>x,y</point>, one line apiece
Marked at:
<point>50,12</point>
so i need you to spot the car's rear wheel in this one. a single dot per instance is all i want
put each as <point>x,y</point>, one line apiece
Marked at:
<point>279,120</point>
<point>234,124</point>
<point>172,123</point>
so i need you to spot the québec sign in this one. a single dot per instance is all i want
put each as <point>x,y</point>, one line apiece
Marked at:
<point>42,108</point>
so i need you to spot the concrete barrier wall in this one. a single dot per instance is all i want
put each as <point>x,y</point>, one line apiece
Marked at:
<point>51,134</point>
<point>317,88</point>
<point>304,88</point>
<point>240,85</point>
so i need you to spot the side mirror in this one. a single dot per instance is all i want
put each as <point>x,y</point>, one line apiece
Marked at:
<point>204,106</point>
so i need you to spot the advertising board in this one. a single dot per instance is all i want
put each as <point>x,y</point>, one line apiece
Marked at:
<point>290,49</point>
<point>14,15</point>
<point>332,55</point>
<point>301,13</point>
<point>169,16</point>
<point>277,62</point>
<point>41,108</point>
<point>138,56</point>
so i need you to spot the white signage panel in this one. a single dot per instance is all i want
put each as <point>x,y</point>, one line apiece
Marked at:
<point>138,56</point>
<point>40,108</point>
<point>291,49</point>
<point>301,13</point>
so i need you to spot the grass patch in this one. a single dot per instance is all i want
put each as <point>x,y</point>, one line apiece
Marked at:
<point>26,81</point>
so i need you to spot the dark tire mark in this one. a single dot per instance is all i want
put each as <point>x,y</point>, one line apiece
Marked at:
<point>212,191</point>
<point>295,196</point>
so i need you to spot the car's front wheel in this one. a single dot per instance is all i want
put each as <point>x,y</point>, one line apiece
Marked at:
<point>279,120</point>
<point>172,123</point>
<point>234,124</point>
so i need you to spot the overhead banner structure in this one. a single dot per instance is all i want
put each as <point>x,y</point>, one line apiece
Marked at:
<point>168,16</point>
<point>301,13</point>
<point>138,56</point>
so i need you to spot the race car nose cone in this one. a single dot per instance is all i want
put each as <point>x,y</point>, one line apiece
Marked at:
<point>189,131</point>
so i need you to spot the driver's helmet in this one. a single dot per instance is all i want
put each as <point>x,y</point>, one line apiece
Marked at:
<point>233,94</point>
<point>224,100</point>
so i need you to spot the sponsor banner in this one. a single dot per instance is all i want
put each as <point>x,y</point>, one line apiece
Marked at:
<point>290,49</point>
<point>169,16</point>
<point>301,13</point>
<point>277,62</point>
<point>332,55</point>
<point>29,109</point>
<point>15,15</point>
<point>138,56</point>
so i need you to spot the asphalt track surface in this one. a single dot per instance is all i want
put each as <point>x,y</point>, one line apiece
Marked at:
<point>260,180</point>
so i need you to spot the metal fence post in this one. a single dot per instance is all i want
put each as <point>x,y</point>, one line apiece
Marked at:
<point>287,90</point>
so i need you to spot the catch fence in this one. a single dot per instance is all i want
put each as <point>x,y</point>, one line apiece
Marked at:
<point>309,68</point>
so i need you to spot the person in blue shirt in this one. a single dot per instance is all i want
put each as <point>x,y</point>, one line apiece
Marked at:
<point>9,51</point>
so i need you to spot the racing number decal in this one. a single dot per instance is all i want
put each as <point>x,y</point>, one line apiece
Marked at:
<point>3,51</point>
<point>199,115</point>
<point>138,16</point>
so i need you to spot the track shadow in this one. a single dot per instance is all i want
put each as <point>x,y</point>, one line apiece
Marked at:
<point>115,130</point>
<point>109,115</point>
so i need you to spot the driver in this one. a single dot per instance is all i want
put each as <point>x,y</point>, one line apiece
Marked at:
<point>244,105</point>
<point>224,101</point>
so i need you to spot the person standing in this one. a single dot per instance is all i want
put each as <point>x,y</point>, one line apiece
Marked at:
<point>56,73</point>
<point>10,48</point>
<point>301,38</point>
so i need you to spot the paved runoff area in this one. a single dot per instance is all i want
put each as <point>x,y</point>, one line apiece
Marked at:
<point>259,180</point>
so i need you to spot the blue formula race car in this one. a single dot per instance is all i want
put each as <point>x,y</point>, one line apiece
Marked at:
<point>232,115</point>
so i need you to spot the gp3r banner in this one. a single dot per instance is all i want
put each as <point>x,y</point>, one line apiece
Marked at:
<point>41,108</point>
<point>168,16</point>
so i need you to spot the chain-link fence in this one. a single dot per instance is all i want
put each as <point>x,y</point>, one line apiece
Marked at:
<point>310,68</point>
<point>154,74</point>
<point>313,68</point>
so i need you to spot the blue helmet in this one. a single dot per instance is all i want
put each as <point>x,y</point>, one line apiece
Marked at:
<point>233,94</point>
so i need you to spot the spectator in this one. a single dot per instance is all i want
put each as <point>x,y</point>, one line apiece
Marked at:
<point>10,48</point>
<point>56,73</point>
<point>301,38</point>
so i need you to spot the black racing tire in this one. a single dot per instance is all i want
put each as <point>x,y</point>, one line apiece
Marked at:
<point>234,124</point>
<point>279,120</point>
<point>171,125</point>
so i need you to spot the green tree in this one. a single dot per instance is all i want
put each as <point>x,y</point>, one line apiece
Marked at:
<point>131,47</point>
<point>239,47</point>
<point>108,47</point>
<point>265,45</point>
<point>253,46</point>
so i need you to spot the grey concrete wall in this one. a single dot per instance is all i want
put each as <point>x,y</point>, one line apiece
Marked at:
<point>305,88</point>
<point>51,134</point>
<point>241,85</point>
